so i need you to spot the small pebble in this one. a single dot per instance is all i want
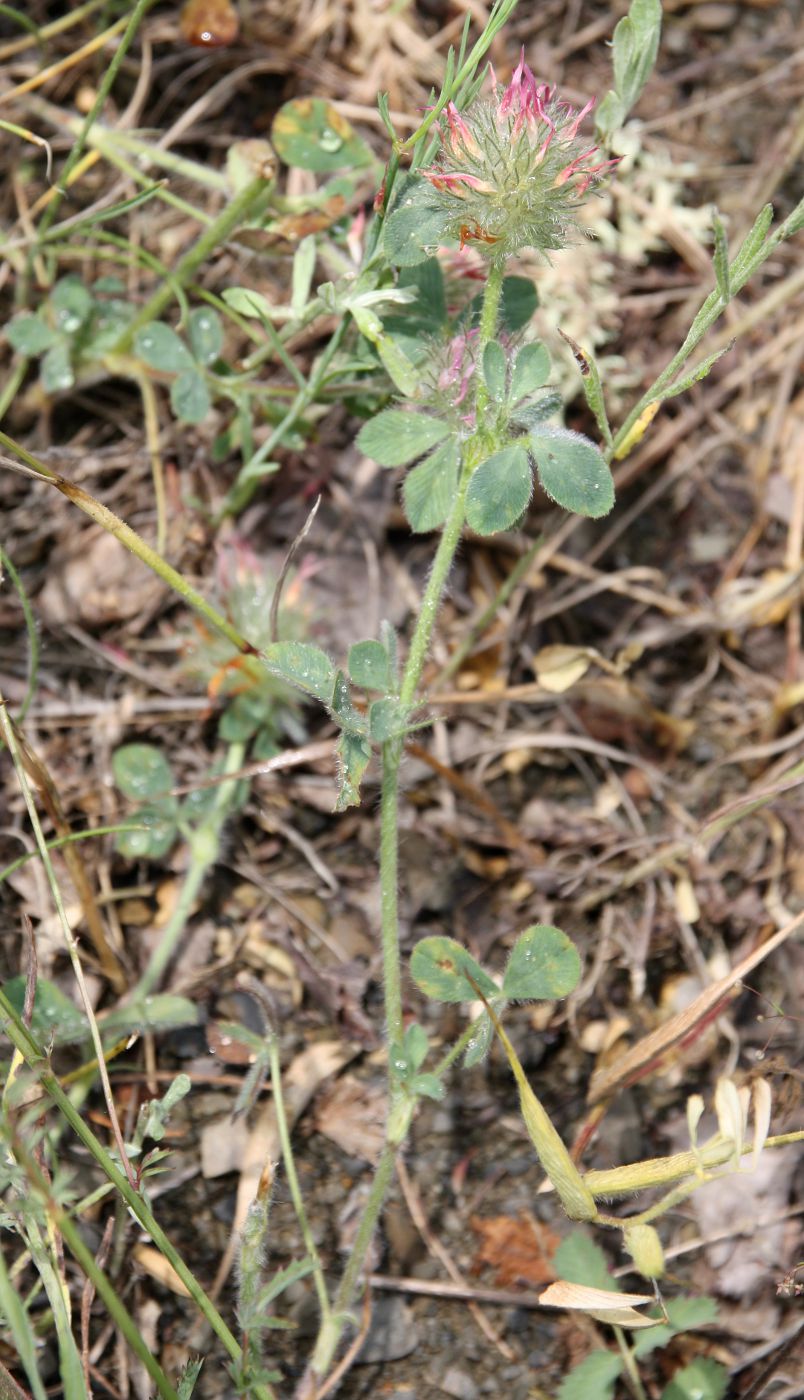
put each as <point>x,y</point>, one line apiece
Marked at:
<point>458,1384</point>
<point>714,17</point>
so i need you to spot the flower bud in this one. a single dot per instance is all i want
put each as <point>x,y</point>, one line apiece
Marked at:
<point>645,1248</point>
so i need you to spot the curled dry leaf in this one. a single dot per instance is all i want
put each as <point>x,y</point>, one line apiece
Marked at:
<point>559,667</point>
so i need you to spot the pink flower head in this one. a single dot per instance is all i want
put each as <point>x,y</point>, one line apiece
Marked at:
<point>512,167</point>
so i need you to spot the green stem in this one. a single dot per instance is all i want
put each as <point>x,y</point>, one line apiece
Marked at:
<point>293,1182</point>
<point>9,734</point>
<point>661,1171</point>
<point>18,1322</point>
<point>389,866</point>
<point>56,26</point>
<point>455,1052</point>
<point>33,636</point>
<point>330,1334</point>
<point>392,751</point>
<point>203,845</point>
<point>742,270</point>
<point>12,384</point>
<point>60,841</point>
<point>111,142</point>
<point>453,527</point>
<point>498,17</point>
<point>102,1285</point>
<point>247,203</point>
<point>631,1372</point>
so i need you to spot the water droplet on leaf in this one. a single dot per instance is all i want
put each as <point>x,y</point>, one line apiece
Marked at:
<point>329,140</point>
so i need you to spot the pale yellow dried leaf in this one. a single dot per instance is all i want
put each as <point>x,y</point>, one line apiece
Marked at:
<point>580,1297</point>
<point>559,667</point>
<point>155,1264</point>
<point>761,1098</point>
<point>686,901</point>
<point>695,1108</point>
<point>626,1317</point>
<point>729,1112</point>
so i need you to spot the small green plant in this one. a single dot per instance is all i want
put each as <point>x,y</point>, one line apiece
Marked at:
<point>497,167</point>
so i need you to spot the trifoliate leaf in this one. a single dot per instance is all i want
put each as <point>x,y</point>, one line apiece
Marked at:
<point>313,135</point>
<point>72,304</point>
<point>56,369</point>
<point>415,226</point>
<point>303,665</point>
<point>579,1260</point>
<point>593,1378</point>
<point>703,1379</point>
<point>55,1018</point>
<point>518,303</point>
<point>141,772</point>
<point>155,834</point>
<point>386,719</point>
<point>354,753</point>
<point>205,334</point>
<point>189,396</point>
<point>494,370</point>
<point>30,335</point>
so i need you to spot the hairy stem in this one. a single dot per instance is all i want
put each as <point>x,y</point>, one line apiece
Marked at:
<point>331,1331</point>
<point>389,865</point>
<point>631,1373</point>
<point>451,534</point>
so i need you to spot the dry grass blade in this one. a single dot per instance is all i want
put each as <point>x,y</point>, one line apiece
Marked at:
<point>649,1052</point>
